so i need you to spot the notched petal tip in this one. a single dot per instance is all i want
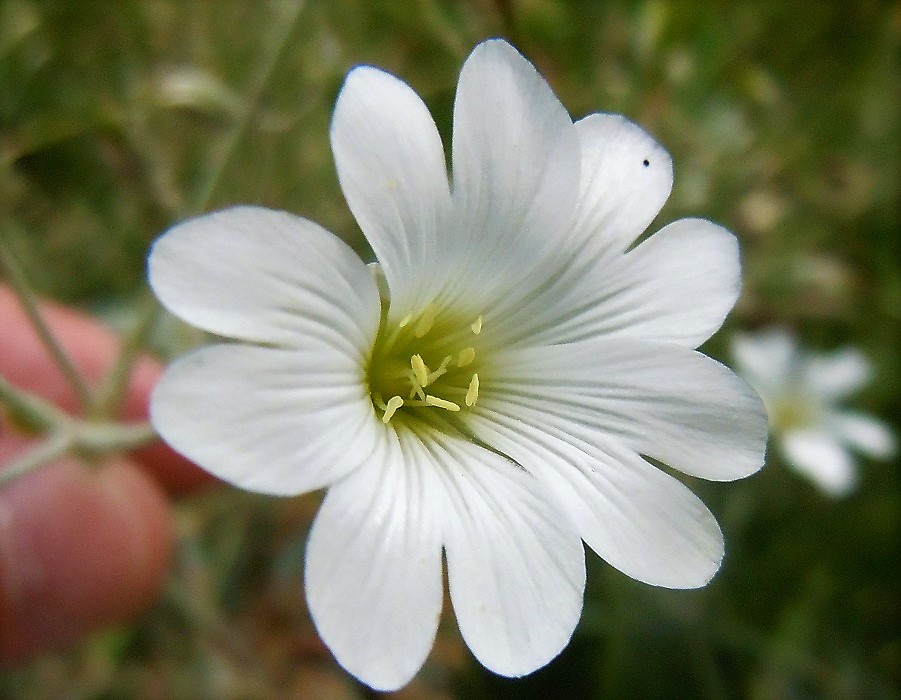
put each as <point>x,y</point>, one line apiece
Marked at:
<point>393,172</point>
<point>373,572</point>
<point>626,178</point>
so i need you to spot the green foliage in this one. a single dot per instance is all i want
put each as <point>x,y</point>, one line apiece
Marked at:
<point>783,122</point>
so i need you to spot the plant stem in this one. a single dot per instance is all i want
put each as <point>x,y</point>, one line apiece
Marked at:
<point>29,302</point>
<point>46,451</point>
<point>64,433</point>
<point>226,151</point>
<point>32,412</point>
<point>111,393</point>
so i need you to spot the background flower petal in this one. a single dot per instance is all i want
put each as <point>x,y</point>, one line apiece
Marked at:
<point>273,420</point>
<point>665,401</point>
<point>515,564</point>
<point>820,457</point>
<point>373,566</point>
<point>266,276</point>
<point>767,359</point>
<point>835,376</point>
<point>865,433</point>
<point>392,169</point>
<point>637,518</point>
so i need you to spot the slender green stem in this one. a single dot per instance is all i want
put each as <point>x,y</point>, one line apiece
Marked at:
<point>30,411</point>
<point>81,437</point>
<point>46,451</point>
<point>29,302</point>
<point>64,432</point>
<point>156,170</point>
<point>225,153</point>
<point>112,392</point>
<point>442,30</point>
<point>106,437</point>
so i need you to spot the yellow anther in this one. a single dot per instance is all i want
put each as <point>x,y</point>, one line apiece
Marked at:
<point>477,325</point>
<point>420,370</point>
<point>394,403</point>
<point>466,357</point>
<point>404,321</point>
<point>472,393</point>
<point>424,324</point>
<point>440,403</point>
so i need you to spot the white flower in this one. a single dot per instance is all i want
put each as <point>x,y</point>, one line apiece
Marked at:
<point>489,391</point>
<point>802,393</point>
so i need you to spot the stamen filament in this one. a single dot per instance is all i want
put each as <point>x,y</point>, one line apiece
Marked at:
<point>441,403</point>
<point>442,370</point>
<point>477,325</point>
<point>416,390</point>
<point>394,403</point>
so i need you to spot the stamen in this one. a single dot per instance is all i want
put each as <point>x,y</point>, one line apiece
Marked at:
<point>416,390</point>
<point>442,370</point>
<point>424,324</point>
<point>394,403</point>
<point>466,357</point>
<point>472,393</point>
<point>441,403</point>
<point>420,370</point>
<point>477,325</point>
<point>404,321</point>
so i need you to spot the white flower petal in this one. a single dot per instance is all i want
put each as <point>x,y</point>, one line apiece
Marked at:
<point>265,276</point>
<point>392,169</point>
<point>515,174</point>
<point>675,287</point>
<point>637,518</point>
<point>373,565</point>
<point>516,566</point>
<point>821,458</point>
<point>837,375</point>
<point>273,420</point>
<point>665,401</point>
<point>865,433</point>
<point>626,178</point>
<point>766,360</point>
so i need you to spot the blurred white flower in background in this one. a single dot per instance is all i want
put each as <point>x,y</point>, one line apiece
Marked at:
<point>803,392</point>
<point>485,397</point>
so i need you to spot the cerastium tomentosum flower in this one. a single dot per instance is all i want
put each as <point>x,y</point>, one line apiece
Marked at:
<point>803,392</point>
<point>488,389</point>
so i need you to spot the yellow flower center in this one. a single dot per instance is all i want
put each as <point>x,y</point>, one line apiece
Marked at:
<point>793,412</point>
<point>427,362</point>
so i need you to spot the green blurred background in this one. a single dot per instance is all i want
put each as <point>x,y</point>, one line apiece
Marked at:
<point>118,118</point>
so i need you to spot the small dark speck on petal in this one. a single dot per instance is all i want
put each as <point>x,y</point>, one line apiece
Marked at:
<point>646,162</point>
